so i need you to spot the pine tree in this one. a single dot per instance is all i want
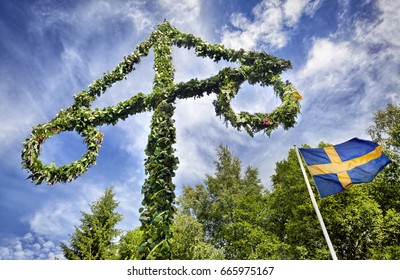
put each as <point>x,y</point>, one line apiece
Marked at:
<point>94,238</point>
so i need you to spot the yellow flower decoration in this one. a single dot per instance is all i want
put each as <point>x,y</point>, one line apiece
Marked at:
<point>297,95</point>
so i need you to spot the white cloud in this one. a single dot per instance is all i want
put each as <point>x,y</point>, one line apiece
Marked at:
<point>198,134</point>
<point>352,76</point>
<point>330,64</point>
<point>293,9</point>
<point>382,37</point>
<point>273,21</point>
<point>186,15</point>
<point>388,27</point>
<point>363,57</point>
<point>56,218</point>
<point>89,16</point>
<point>141,18</point>
<point>181,12</point>
<point>29,247</point>
<point>128,194</point>
<point>5,253</point>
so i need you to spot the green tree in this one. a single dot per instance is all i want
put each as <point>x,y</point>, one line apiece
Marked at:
<point>129,243</point>
<point>188,241</point>
<point>390,246</point>
<point>94,239</point>
<point>386,127</point>
<point>228,206</point>
<point>271,248</point>
<point>355,222</point>
<point>290,214</point>
<point>386,131</point>
<point>385,187</point>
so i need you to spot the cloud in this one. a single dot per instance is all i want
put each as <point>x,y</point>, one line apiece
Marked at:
<point>294,9</point>
<point>57,218</point>
<point>189,16</point>
<point>90,16</point>
<point>352,76</point>
<point>181,12</point>
<point>29,247</point>
<point>365,56</point>
<point>330,63</point>
<point>199,132</point>
<point>272,24</point>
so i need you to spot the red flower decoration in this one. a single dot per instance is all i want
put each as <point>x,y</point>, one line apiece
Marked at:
<point>266,121</point>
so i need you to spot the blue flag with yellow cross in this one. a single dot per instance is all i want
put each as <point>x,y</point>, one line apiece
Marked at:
<point>336,168</point>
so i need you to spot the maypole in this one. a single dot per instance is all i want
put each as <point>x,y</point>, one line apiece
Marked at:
<point>158,189</point>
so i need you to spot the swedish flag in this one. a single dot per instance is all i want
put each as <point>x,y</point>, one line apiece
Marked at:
<point>336,168</point>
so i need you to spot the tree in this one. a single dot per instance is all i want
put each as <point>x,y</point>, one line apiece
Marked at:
<point>290,215</point>
<point>129,243</point>
<point>386,127</point>
<point>94,239</point>
<point>228,206</point>
<point>390,245</point>
<point>385,187</point>
<point>354,221</point>
<point>386,131</point>
<point>247,223</point>
<point>187,243</point>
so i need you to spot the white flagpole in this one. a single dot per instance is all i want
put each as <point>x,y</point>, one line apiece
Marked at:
<point>314,202</point>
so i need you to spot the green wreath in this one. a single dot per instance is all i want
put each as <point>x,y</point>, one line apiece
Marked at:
<point>51,173</point>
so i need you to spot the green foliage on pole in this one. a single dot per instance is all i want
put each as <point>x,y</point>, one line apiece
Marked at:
<point>158,189</point>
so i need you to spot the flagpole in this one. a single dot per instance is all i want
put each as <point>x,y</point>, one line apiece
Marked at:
<point>314,202</point>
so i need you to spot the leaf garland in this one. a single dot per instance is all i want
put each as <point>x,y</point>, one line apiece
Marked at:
<point>158,189</point>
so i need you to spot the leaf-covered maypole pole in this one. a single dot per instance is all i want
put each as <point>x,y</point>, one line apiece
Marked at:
<point>160,165</point>
<point>158,209</point>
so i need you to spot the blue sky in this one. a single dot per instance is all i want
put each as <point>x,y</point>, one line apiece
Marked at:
<point>346,63</point>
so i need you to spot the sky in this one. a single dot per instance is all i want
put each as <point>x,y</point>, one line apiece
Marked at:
<point>346,63</point>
